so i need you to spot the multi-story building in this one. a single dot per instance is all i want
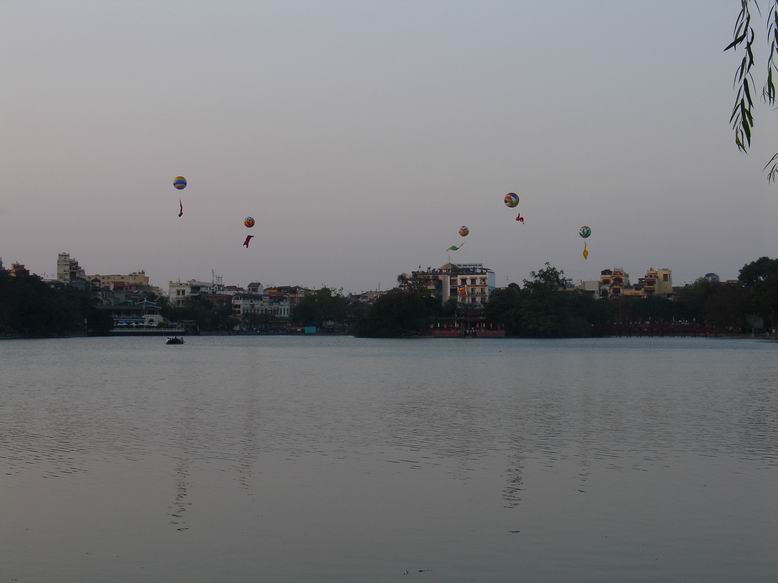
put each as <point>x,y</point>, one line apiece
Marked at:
<point>658,282</point>
<point>18,270</point>
<point>130,314</point>
<point>114,281</point>
<point>244,305</point>
<point>180,292</point>
<point>293,293</point>
<point>612,281</point>
<point>68,269</point>
<point>469,283</point>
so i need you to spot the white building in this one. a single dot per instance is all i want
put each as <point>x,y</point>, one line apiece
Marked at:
<point>257,304</point>
<point>68,269</point>
<point>180,292</point>
<point>470,283</point>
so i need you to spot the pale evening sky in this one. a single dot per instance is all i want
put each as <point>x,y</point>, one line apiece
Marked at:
<point>362,134</point>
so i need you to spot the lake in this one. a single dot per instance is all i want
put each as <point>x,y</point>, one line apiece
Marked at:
<point>339,459</point>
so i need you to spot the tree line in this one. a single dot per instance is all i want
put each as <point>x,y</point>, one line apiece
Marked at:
<point>30,307</point>
<point>546,306</point>
<point>542,306</point>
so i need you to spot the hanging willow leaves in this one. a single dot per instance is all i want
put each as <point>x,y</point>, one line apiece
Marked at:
<point>742,118</point>
<point>743,36</point>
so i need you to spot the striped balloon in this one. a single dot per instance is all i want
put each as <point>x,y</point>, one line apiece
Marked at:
<point>179,183</point>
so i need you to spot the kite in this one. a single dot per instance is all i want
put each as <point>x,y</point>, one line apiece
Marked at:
<point>511,200</point>
<point>520,219</point>
<point>179,183</point>
<point>585,232</point>
<point>248,222</point>
<point>463,232</point>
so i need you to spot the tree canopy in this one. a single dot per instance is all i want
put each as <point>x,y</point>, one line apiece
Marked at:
<point>31,307</point>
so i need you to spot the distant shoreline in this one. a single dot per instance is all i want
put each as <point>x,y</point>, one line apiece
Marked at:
<point>223,334</point>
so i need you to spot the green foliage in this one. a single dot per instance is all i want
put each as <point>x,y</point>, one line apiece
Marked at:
<point>651,309</point>
<point>324,305</point>
<point>695,298</point>
<point>400,312</point>
<point>743,39</point>
<point>207,316</point>
<point>543,308</point>
<point>758,272</point>
<point>29,307</point>
<point>548,278</point>
<point>761,277</point>
<point>726,309</point>
<point>742,118</point>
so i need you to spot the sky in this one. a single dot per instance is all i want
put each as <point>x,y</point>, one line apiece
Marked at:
<point>361,135</point>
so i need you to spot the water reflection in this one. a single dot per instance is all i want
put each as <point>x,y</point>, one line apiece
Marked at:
<point>437,441</point>
<point>514,473</point>
<point>180,502</point>
<point>247,448</point>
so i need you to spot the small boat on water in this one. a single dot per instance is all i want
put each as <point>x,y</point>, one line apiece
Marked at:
<point>175,340</point>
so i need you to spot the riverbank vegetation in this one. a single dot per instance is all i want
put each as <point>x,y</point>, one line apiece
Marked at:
<point>32,308</point>
<point>544,306</point>
<point>547,306</point>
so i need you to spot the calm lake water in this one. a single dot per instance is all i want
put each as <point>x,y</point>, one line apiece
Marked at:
<point>340,459</point>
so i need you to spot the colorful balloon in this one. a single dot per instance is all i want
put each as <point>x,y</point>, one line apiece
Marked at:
<point>249,222</point>
<point>511,200</point>
<point>179,183</point>
<point>464,231</point>
<point>585,232</point>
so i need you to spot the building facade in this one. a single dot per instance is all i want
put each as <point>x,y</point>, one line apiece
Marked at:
<point>115,281</point>
<point>68,269</point>
<point>247,304</point>
<point>18,270</point>
<point>658,282</point>
<point>612,282</point>
<point>470,283</point>
<point>180,292</point>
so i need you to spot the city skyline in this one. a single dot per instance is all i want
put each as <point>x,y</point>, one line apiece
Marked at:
<point>68,268</point>
<point>361,136</point>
